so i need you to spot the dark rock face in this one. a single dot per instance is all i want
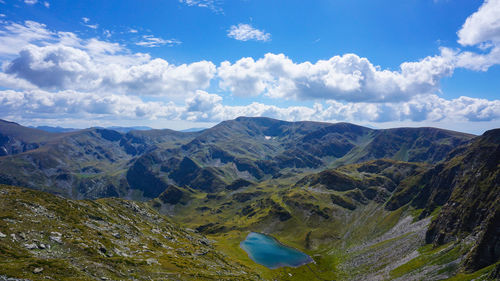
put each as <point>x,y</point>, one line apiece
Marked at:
<point>139,176</point>
<point>474,200</point>
<point>342,201</point>
<point>331,179</point>
<point>246,196</point>
<point>171,195</point>
<point>237,184</point>
<point>487,250</point>
<point>109,135</point>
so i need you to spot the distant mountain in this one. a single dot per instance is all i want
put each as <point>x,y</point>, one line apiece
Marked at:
<point>54,129</point>
<point>96,162</point>
<point>193,130</point>
<point>15,138</point>
<point>128,129</point>
<point>114,128</point>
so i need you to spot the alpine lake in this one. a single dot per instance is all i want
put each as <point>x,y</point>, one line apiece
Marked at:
<point>269,252</point>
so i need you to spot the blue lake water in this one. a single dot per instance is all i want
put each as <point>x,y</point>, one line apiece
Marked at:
<point>266,250</point>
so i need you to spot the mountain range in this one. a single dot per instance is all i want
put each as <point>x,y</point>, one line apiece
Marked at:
<point>365,204</point>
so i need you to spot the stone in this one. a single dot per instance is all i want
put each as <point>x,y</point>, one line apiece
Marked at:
<point>2,235</point>
<point>56,239</point>
<point>37,270</point>
<point>31,246</point>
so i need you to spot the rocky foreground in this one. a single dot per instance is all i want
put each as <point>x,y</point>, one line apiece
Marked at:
<point>43,236</point>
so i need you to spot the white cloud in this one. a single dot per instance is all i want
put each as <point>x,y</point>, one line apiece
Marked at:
<point>63,61</point>
<point>205,107</point>
<point>347,78</point>
<point>245,32</point>
<point>30,2</point>
<point>482,26</point>
<point>482,30</point>
<point>57,67</point>
<point>15,37</point>
<point>131,30</point>
<point>53,105</point>
<point>151,41</point>
<point>213,5</point>
<point>93,26</point>
<point>46,4</point>
<point>86,23</point>
<point>57,75</point>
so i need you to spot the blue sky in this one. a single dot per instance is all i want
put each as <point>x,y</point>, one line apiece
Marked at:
<point>192,63</point>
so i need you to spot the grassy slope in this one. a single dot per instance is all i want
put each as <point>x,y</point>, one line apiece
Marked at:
<point>111,238</point>
<point>366,243</point>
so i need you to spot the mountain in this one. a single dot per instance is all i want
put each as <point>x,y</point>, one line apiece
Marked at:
<point>88,163</point>
<point>57,129</point>
<point>365,204</point>
<point>128,129</point>
<point>376,220</point>
<point>94,163</point>
<point>15,138</point>
<point>125,130</point>
<point>190,130</point>
<point>467,189</point>
<point>257,149</point>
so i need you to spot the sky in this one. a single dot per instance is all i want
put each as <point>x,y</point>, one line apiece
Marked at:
<point>193,63</point>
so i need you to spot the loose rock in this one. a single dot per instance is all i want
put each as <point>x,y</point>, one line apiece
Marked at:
<point>31,246</point>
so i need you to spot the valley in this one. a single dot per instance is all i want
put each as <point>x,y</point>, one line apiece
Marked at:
<point>364,204</point>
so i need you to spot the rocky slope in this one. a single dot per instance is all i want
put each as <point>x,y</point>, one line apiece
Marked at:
<point>47,237</point>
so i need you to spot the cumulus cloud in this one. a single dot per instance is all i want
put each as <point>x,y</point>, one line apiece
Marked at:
<point>57,75</point>
<point>150,41</point>
<point>245,32</point>
<point>482,30</point>
<point>482,26</point>
<point>52,105</point>
<point>431,108</point>
<point>205,107</point>
<point>63,61</point>
<point>346,78</point>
